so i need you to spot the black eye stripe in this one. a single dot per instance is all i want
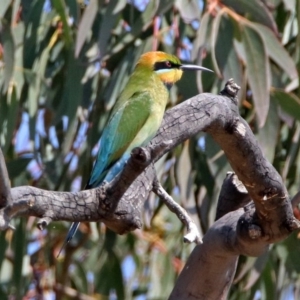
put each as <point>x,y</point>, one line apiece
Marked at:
<point>165,65</point>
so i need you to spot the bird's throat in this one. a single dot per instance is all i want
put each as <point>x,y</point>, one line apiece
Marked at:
<point>168,85</point>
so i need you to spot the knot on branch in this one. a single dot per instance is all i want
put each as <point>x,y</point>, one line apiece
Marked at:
<point>43,223</point>
<point>247,228</point>
<point>141,155</point>
<point>254,231</point>
<point>231,90</point>
<point>251,238</point>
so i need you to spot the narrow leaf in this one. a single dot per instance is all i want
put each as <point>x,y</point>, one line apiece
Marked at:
<point>258,71</point>
<point>110,17</point>
<point>3,246</point>
<point>8,54</point>
<point>17,166</point>
<point>276,51</point>
<point>189,10</point>
<point>33,17</point>
<point>266,135</point>
<point>11,117</point>
<point>85,25</point>
<point>140,25</point>
<point>19,251</point>
<point>225,53</point>
<point>3,7</point>
<point>255,10</point>
<point>214,34</point>
<point>203,34</point>
<point>289,102</point>
<point>60,7</point>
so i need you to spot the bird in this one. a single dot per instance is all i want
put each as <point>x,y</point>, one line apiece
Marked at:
<point>136,115</point>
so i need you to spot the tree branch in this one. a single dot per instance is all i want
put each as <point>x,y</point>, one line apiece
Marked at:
<point>246,231</point>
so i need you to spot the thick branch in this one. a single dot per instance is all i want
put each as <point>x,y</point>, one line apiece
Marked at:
<point>209,271</point>
<point>118,204</point>
<point>217,115</point>
<point>233,195</point>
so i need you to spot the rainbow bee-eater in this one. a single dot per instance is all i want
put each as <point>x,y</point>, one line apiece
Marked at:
<point>136,116</point>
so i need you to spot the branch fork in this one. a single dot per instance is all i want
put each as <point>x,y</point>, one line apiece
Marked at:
<point>119,204</point>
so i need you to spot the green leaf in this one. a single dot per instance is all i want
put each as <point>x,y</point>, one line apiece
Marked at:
<point>233,69</point>
<point>85,25</point>
<point>110,277</point>
<point>36,81</point>
<point>72,93</point>
<point>74,9</point>
<point>3,246</point>
<point>267,134</point>
<point>203,36</point>
<point>292,85</point>
<point>214,35</point>
<point>289,102</point>
<point>139,26</point>
<point>3,7</point>
<point>225,54</point>
<point>12,116</point>
<point>256,270</point>
<point>19,251</point>
<point>161,286</point>
<point>164,6</point>
<point>276,51</point>
<point>8,55</point>
<point>17,166</point>
<point>189,10</point>
<point>80,277</point>
<point>254,10</point>
<point>110,17</point>
<point>32,22</point>
<point>270,286</point>
<point>258,71</point>
<point>61,9</point>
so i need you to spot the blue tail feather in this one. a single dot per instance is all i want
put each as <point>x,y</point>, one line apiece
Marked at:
<point>70,235</point>
<point>113,171</point>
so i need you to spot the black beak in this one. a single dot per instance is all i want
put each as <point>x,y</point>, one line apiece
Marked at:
<point>194,67</point>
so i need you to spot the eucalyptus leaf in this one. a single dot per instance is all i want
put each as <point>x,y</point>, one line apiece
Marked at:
<point>189,10</point>
<point>267,134</point>
<point>255,10</point>
<point>257,71</point>
<point>12,117</point>
<point>61,9</point>
<point>289,102</point>
<point>16,166</point>
<point>8,55</point>
<point>19,252</point>
<point>276,51</point>
<point>85,25</point>
<point>4,7</point>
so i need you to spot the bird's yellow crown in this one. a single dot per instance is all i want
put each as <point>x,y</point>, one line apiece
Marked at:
<point>166,66</point>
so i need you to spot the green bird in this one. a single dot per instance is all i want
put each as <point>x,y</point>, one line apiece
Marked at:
<point>136,116</point>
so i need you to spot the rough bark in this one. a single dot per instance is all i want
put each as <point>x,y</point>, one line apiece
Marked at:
<point>237,231</point>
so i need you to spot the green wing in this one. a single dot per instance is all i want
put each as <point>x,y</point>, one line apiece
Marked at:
<point>118,135</point>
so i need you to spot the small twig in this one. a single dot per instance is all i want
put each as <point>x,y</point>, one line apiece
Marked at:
<point>193,235</point>
<point>44,222</point>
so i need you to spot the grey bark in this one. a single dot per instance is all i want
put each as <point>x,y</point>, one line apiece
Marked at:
<point>209,271</point>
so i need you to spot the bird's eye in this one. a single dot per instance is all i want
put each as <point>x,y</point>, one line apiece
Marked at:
<point>168,64</point>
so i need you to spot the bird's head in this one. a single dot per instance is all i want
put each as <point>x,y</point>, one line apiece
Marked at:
<point>168,67</point>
